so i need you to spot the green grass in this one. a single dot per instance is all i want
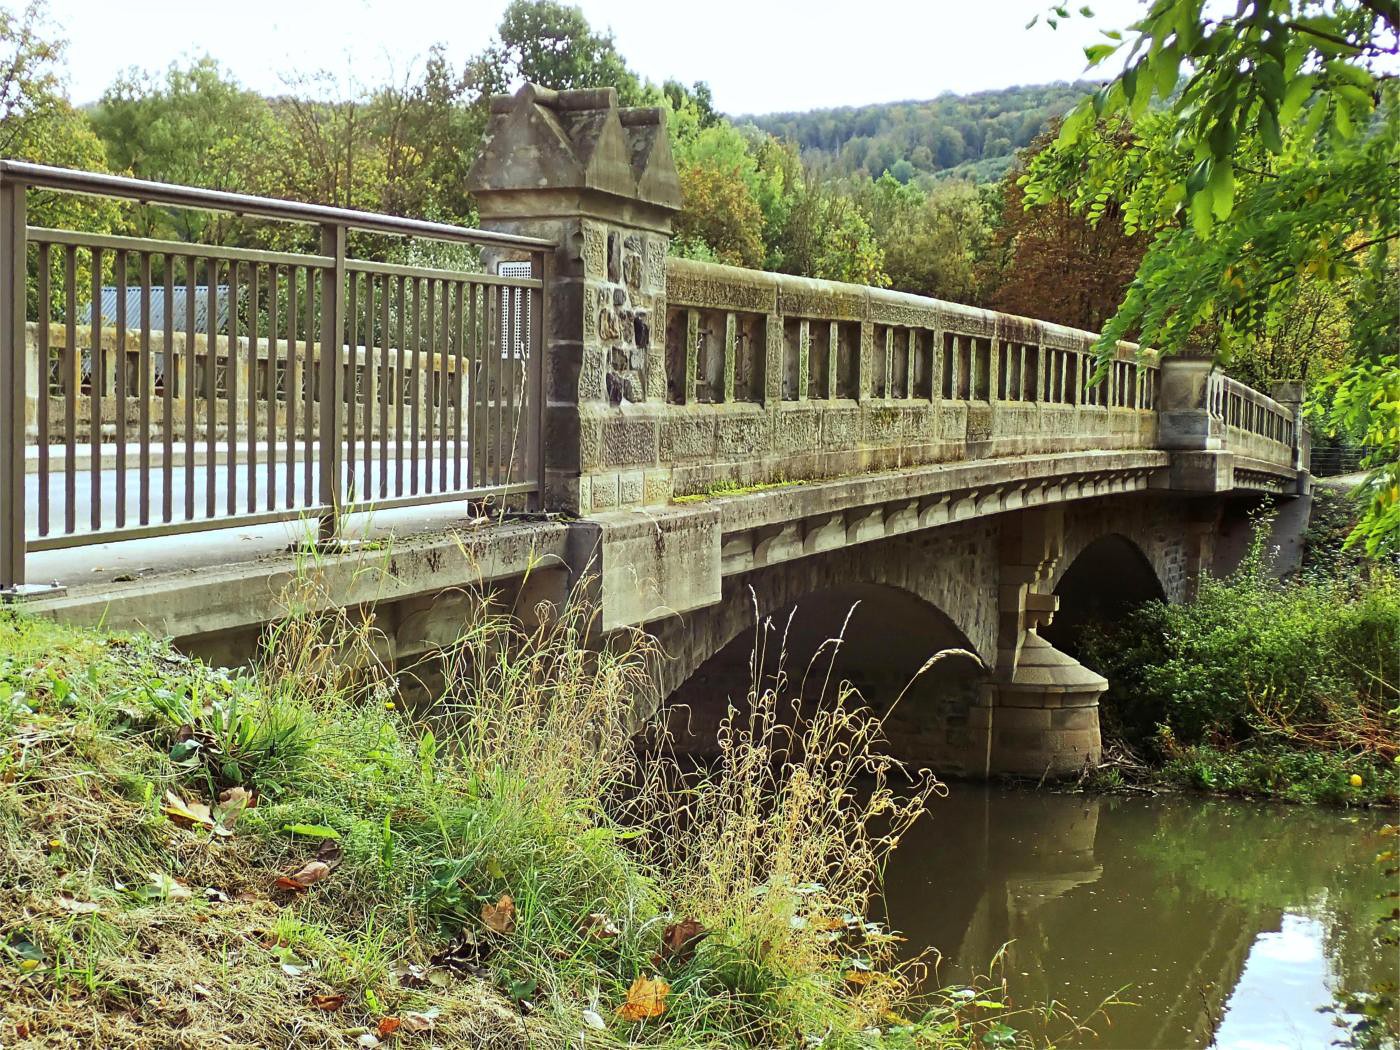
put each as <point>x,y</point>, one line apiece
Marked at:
<point>129,918</point>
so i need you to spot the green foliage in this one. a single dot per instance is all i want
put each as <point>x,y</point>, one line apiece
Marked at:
<point>1270,171</point>
<point>552,44</point>
<point>931,241</point>
<point>1264,687</point>
<point>972,136</point>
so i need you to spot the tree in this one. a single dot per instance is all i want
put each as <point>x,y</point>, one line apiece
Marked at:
<point>1274,171</point>
<point>553,45</point>
<point>719,218</point>
<point>931,242</point>
<point>1053,263</point>
<point>195,126</point>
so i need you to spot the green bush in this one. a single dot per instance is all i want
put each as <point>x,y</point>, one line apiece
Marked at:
<point>1297,683</point>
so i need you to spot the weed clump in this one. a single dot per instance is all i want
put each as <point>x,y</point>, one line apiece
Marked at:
<point>292,854</point>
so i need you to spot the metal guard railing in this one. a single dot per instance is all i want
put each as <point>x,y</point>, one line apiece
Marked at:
<point>154,387</point>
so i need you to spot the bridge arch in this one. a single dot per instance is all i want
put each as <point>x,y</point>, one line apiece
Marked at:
<point>1108,576</point>
<point>887,630</point>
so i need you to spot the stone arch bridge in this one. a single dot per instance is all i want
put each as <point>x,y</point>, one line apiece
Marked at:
<point>712,440</point>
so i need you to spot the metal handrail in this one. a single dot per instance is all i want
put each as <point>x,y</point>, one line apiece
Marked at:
<point>327,385</point>
<point>99,185</point>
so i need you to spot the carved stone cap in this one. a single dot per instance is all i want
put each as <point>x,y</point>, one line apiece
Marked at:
<point>580,140</point>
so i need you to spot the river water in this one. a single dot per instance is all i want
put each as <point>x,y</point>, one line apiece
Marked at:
<point>1227,924</point>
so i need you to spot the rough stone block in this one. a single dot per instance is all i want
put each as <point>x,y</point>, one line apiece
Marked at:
<point>605,492</point>
<point>629,441</point>
<point>656,487</point>
<point>630,487</point>
<point>747,434</point>
<point>688,436</point>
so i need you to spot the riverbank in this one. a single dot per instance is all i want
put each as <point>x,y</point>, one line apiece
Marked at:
<point>286,857</point>
<point>1262,688</point>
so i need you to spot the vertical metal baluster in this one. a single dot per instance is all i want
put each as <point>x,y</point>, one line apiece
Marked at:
<point>308,378</point>
<point>143,405</point>
<point>73,372</point>
<point>330,422</point>
<point>292,392</point>
<point>400,386</point>
<point>426,384</point>
<point>167,504</point>
<point>535,348</point>
<point>416,410</point>
<point>254,275</point>
<point>95,393</point>
<point>440,375</point>
<point>352,313</point>
<point>473,378</point>
<point>458,338</point>
<point>273,296</point>
<point>42,409</point>
<point>231,390</point>
<point>14,311</point>
<point>120,383</point>
<point>367,486</point>
<point>211,385</point>
<point>500,320</point>
<point>191,286</point>
<point>385,386</point>
<point>511,368</point>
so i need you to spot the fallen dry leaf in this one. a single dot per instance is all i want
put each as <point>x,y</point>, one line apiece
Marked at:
<point>313,871</point>
<point>410,975</point>
<point>499,917</point>
<point>230,807</point>
<point>328,1002</point>
<point>388,1026</point>
<point>69,903</point>
<point>416,1022</point>
<point>646,998</point>
<point>187,813</point>
<point>679,939</point>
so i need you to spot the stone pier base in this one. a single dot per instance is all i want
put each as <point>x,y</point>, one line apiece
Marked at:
<point>1045,720</point>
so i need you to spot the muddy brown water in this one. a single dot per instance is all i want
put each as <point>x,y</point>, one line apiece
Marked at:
<point>1226,924</point>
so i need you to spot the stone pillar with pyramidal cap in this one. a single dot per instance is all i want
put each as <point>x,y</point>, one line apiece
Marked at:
<point>599,180</point>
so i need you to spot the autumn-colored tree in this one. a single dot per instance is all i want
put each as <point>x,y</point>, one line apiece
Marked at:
<point>719,218</point>
<point>1052,262</point>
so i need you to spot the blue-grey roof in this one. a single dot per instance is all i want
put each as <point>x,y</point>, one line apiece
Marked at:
<point>158,308</point>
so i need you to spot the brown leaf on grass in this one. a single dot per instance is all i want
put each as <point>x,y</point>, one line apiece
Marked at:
<point>410,975</point>
<point>646,998</point>
<point>499,917</point>
<point>328,1003</point>
<point>313,871</point>
<point>416,1022</point>
<point>187,813</point>
<point>679,940</point>
<point>71,904</point>
<point>388,1026</point>
<point>230,807</point>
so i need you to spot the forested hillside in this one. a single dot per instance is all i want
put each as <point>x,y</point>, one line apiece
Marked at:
<point>962,136</point>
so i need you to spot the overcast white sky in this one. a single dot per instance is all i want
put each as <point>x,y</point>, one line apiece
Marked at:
<point>758,55</point>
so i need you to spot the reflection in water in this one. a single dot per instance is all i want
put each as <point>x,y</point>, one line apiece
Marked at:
<point>1193,908</point>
